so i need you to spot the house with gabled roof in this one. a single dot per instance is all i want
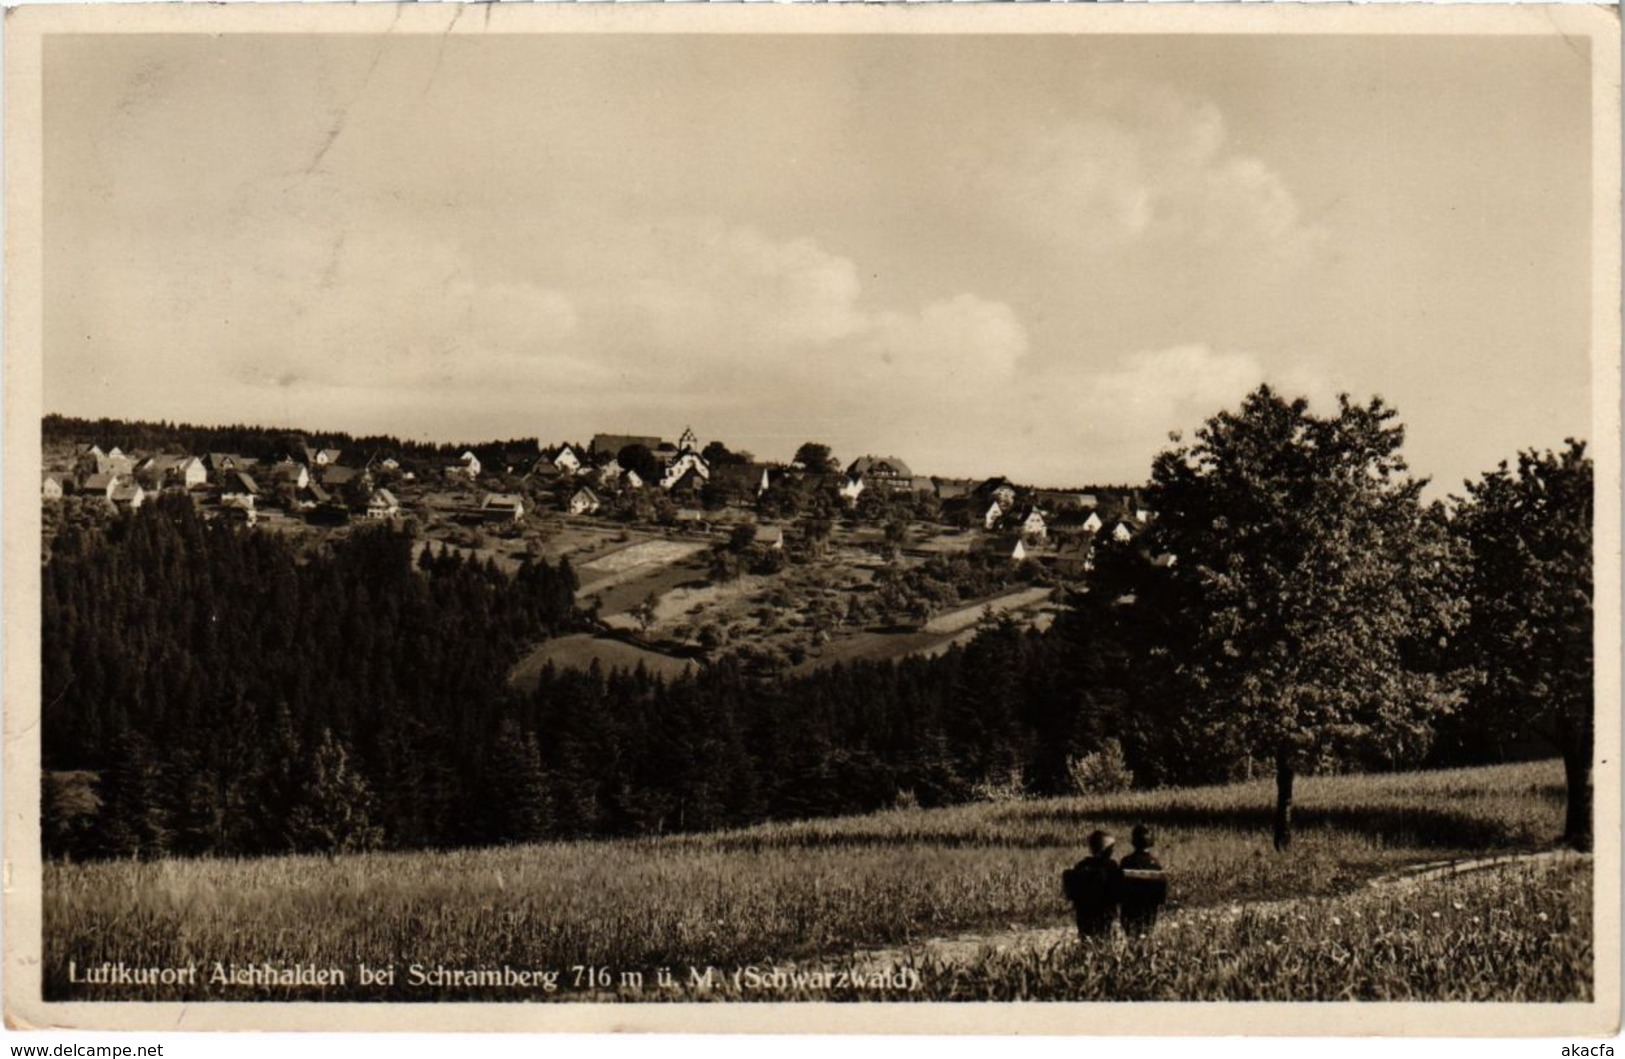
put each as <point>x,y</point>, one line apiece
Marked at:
<point>188,472</point>
<point>998,489</point>
<point>92,460</point>
<point>152,470</point>
<point>882,472</point>
<point>128,495</point>
<point>685,466</point>
<point>743,482</point>
<point>502,507</point>
<point>689,483</point>
<point>565,458</point>
<point>382,504</point>
<point>239,513</point>
<point>583,502</point>
<point>220,463</point>
<point>98,485</point>
<point>312,495</point>
<point>337,476</point>
<point>1075,555</point>
<point>292,472</point>
<point>53,484</point>
<point>239,488</point>
<point>1029,523</point>
<point>1008,545</point>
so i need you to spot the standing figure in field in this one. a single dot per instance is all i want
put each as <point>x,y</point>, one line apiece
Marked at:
<point>1145,885</point>
<point>1094,886</point>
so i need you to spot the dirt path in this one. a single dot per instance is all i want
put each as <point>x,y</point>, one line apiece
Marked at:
<point>967,948</point>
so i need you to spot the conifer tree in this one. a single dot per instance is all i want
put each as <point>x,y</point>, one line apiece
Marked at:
<point>335,814</point>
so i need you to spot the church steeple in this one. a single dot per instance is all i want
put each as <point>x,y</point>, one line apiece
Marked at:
<point>688,441</point>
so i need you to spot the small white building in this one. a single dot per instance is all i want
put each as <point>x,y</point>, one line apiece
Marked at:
<point>1031,526</point>
<point>185,471</point>
<point>566,459</point>
<point>1008,545</point>
<point>382,504</point>
<point>238,489</point>
<point>503,507</point>
<point>289,471</point>
<point>99,485</point>
<point>129,496</point>
<point>467,465</point>
<point>583,502</point>
<point>680,467</point>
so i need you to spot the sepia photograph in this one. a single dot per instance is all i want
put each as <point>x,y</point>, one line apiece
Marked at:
<point>571,518</point>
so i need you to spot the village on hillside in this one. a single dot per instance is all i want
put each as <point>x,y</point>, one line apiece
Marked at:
<point>685,551</point>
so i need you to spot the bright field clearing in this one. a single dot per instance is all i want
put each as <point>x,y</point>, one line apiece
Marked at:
<point>581,650</point>
<point>1243,922</point>
<point>967,617</point>
<point>651,553</point>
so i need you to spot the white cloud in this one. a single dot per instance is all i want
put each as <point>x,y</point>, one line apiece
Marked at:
<point>1107,424</point>
<point>1149,168</point>
<point>1164,388</point>
<point>733,307</point>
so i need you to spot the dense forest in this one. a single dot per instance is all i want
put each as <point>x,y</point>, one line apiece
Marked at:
<point>224,682</point>
<point>235,694</point>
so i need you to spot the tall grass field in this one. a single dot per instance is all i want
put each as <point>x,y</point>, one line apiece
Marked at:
<point>858,908</point>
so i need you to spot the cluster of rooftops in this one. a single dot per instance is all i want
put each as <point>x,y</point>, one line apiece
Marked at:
<point>314,479</point>
<point>238,485</point>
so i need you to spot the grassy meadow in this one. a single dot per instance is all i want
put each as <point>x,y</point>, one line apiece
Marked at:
<point>1242,922</point>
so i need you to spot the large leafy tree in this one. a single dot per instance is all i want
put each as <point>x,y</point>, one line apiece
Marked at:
<point>637,457</point>
<point>1529,533</point>
<point>815,456</point>
<point>1306,577</point>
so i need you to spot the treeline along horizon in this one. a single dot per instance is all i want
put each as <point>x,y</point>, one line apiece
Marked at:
<point>258,442</point>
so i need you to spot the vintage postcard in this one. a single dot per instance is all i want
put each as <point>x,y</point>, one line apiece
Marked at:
<point>951,519</point>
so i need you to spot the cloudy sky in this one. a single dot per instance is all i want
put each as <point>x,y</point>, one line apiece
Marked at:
<point>1028,255</point>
